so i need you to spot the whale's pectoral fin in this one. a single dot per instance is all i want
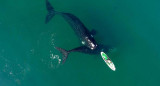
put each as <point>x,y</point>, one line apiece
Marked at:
<point>93,32</point>
<point>64,53</point>
<point>82,49</point>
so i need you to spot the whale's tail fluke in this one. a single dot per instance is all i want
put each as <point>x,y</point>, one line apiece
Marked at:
<point>64,52</point>
<point>51,12</point>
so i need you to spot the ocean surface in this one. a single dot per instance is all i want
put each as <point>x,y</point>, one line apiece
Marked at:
<point>28,56</point>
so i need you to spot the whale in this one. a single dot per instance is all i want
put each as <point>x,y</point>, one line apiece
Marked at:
<point>88,44</point>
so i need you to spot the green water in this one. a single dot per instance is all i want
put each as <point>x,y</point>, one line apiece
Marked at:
<point>27,44</point>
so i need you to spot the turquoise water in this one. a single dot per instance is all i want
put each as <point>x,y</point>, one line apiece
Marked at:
<point>28,57</point>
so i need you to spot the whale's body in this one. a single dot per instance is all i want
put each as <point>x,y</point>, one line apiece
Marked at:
<point>87,40</point>
<point>85,36</point>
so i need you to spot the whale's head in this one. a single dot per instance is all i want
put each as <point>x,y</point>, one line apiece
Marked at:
<point>90,43</point>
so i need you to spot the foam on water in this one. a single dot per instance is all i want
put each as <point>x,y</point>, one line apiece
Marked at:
<point>54,61</point>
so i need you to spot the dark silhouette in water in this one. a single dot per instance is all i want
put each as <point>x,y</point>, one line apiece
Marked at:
<point>89,45</point>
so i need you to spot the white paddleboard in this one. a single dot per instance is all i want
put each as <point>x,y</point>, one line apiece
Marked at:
<point>108,61</point>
